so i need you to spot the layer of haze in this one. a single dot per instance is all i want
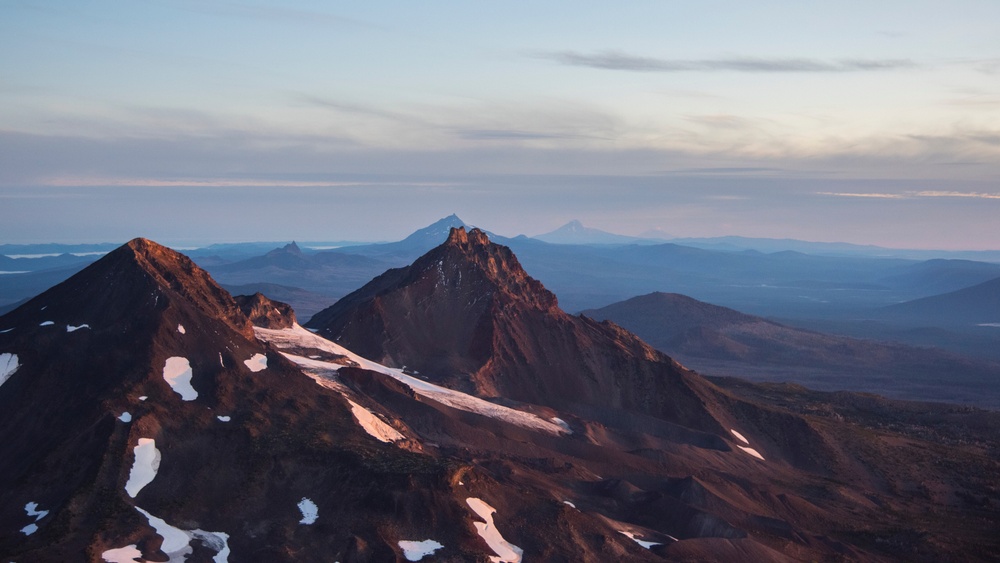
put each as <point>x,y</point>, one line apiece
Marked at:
<point>867,122</point>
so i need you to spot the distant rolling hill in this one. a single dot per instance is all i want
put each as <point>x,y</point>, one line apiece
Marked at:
<point>976,305</point>
<point>722,341</point>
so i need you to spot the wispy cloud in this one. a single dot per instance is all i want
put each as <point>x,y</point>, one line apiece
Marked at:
<point>915,194</point>
<point>617,60</point>
<point>359,109</point>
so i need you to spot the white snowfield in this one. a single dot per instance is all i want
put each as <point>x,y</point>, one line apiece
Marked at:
<point>416,550</point>
<point>125,417</point>
<point>177,373</point>
<point>177,542</point>
<point>71,328</point>
<point>223,418</point>
<point>257,362</point>
<point>506,552</point>
<point>374,425</point>
<point>145,466</point>
<point>631,536</point>
<point>127,554</point>
<point>300,337</point>
<point>746,448</point>
<point>309,510</point>
<point>751,451</point>
<point>8,365</point>
<point>180,329</point>
<point>47,323</point>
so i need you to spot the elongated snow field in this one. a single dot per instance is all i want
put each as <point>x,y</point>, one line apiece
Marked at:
<point>145,466</point>
<point>631,536</point>
<point>506,552</point>
<point>300,337</point>
<point>373,425</point>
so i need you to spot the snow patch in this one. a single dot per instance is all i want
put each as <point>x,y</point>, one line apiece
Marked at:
<point>568,503</point>
<point>309,511</point>
<point>180,329</point>
<point>995,325</point>
<point>751,451</point>
<point>296,336</point>
<point>416,550</point>
<point>374,425</point>
<point>143,398</point>
<point>8,365</point>
<point>223,418</point>
<point>32,509</point>
<point>177,542</point>
<point>506,552</point>
<point>221,363</point>
<point>562,423</point>
<point>125,417</point>
<point>47,323</point>
<point>7,330</point>
<point>177,373</point>
<point>71,328</point>
<point>257,362</point>
<point>145,466</point>
<point>127,554</point>
<point>740,436</point>
<point>631,536</point>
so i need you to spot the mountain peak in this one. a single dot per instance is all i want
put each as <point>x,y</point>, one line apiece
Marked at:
<point>133,284</point>
<point>575,232</point>
<point>473,238</point>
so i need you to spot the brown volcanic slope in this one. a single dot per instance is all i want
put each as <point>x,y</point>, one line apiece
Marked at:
<point>845,478</point>
<point>722,341</point>
<point>838,483</point>
<point>466,314</point>
<point>66,447</point>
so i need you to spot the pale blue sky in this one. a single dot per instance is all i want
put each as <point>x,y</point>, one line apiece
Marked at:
<point>874,122</point>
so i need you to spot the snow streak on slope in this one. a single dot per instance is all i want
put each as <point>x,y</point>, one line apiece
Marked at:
<point>298,337</point>
<point>746,448</point>
<point>506,552</point>
<point>147,463</point>
<point>373,425</point>
<point>631,536</point>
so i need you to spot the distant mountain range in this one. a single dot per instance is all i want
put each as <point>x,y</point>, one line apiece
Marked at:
<point>575,233</point>
<point>721,341</point>
<point>155,416</point>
